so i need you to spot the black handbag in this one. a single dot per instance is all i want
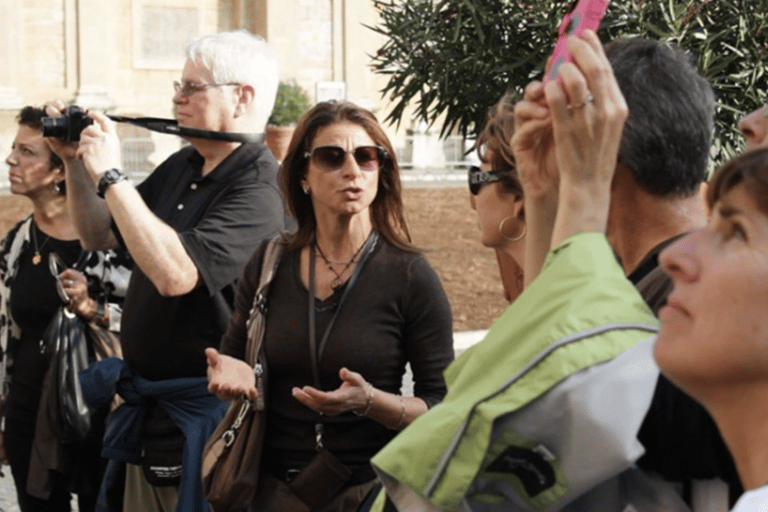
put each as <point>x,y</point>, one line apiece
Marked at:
<point>65,343</point>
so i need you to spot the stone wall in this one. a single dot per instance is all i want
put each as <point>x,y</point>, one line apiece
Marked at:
<point>123,55</point>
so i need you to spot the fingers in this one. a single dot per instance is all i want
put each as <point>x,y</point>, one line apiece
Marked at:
<point>351,377</point>
<point>228,377</point>
<point>309,396</point>
<point>55,108</point>
<point>105,123</point>
<point>588,113</point>
<point>75,286</point>
<point>67,151</point>
<point>590,75</point>
<point>73,274</point>
<point>325,403</point>
<point>527,110</point>
<point>557,101</point>
<point>343,399</point>
<point>99,146</point>
<point>212,357</point>
<point>534,91</point>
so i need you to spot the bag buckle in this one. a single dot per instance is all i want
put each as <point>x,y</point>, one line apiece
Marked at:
<point>318,436</point>
<point>228,438</point>
<point>261,303</point>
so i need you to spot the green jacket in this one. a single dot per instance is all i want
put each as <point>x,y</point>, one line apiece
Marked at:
<point>519,420</point>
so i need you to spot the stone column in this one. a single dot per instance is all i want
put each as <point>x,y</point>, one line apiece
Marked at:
<point>96,53</point>
<point>10,36</point>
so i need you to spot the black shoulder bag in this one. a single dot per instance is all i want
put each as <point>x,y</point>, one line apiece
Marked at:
<point>65,343</point>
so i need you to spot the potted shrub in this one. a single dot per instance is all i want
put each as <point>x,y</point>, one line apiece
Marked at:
<point>291,102</point>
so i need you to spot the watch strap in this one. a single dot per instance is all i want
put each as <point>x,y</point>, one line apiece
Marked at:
<point>110,177</point>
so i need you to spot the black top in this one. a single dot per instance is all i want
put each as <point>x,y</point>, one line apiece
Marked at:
<point>681,439</point>
<point>396,312</point>
<point>33,303</point>
<point>220,219</point>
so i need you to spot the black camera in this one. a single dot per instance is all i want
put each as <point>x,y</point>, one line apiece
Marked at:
<point>67,126</point>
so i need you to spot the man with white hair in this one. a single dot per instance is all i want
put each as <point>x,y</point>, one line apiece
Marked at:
<point>190,228</point>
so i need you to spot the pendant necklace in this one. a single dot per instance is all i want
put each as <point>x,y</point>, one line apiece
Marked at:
<point>339,281</point>
<point>36,258</point>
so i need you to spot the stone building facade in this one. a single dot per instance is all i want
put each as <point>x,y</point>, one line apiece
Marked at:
<point>123,56</point>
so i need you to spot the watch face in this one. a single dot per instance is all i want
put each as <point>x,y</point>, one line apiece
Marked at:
<point>110,177</point>
<point>113,175</point>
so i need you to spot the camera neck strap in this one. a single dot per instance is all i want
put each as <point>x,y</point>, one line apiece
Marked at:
<point>156,124</point>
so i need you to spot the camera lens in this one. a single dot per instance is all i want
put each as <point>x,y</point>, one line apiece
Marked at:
<point>55,126</point>
<point>68,126</point>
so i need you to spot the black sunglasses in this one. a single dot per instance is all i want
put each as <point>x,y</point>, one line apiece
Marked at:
<point>478,177</point>
<point>368,158</point>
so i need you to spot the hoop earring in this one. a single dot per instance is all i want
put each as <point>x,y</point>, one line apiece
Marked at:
<point>507,238</point>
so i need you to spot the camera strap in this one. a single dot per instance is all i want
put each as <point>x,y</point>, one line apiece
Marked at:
<point>156,124</point>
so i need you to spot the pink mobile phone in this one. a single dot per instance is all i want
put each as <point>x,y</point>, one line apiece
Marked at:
<point>586,15</point>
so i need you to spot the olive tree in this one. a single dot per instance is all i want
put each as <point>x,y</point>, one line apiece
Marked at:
<point>452,59</point>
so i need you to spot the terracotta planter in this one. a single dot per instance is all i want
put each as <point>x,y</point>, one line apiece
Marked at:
<point>278,138</point>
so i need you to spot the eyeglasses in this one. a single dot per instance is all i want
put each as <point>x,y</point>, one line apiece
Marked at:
<point>368,158</point>
<point>478,177</point>
<point>187,88</point>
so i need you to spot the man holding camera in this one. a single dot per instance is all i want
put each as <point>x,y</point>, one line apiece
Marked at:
<point>190,228</point>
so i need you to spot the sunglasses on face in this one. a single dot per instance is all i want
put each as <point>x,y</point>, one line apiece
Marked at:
<point>478,177</point>
<point>368,158</point>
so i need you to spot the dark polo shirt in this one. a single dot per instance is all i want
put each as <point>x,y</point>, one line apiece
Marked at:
<point>221,219</point>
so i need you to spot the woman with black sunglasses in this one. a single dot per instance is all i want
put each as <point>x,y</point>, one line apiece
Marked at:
<point>497,196</point>
<point>352,302</point>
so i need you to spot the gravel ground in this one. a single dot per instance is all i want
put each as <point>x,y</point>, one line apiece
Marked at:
<point>8,493</point>
<point>8,501</point>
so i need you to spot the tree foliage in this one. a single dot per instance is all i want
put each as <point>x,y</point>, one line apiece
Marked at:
<point>291,102</point>
<point>453,59</point>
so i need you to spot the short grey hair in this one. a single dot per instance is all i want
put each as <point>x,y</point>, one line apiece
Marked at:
<point>240,57</point>
<point>667,136</point>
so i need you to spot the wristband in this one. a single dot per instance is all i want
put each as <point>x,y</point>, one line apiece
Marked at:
<point>402,414</point>
<point>369,403</point>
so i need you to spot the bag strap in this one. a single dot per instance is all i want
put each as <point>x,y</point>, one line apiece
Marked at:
<point>315,349</point>
<point>256,321</point>
<point>314,352</point>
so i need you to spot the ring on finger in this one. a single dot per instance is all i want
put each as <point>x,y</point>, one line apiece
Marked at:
<point>589,99</point>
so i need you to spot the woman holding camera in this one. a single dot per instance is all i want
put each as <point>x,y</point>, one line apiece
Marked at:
<point>44,471</point>
<point>341,182</point>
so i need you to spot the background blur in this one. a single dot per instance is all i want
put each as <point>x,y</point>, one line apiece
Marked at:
<point>122,56</point>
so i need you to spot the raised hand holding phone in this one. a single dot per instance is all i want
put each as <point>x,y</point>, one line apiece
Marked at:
<point>585,16</point>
